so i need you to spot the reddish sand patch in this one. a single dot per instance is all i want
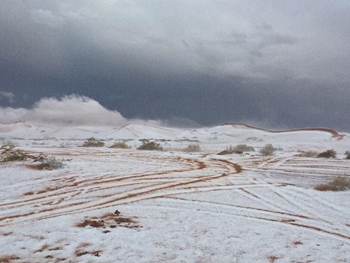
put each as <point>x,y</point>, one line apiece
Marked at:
<point>109,220</point>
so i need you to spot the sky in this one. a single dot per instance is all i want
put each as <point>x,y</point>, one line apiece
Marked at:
<point>274,64</point>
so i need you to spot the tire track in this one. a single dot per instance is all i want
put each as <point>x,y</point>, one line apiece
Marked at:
<point>291,223</point>
<point>297,200</point>
<point>143,192</point>
<point>74,185</point>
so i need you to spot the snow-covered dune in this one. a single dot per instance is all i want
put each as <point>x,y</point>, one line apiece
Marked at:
<point>173,206</point>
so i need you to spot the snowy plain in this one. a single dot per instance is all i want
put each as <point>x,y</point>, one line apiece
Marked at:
<point>182,207</point>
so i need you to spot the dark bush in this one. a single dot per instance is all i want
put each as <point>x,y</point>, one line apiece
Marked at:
<point>327,154</point>
<point>268,149</point>
<point>240,148</point>
<point>9,153</point>
<point>120,145</point>
<point>193,148</point>
<point>92,142</point>
<point>150,145</point>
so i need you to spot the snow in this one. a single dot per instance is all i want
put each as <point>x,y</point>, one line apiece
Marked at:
<point>183,207</point>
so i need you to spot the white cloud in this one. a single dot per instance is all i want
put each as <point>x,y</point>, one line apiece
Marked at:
<point>68,110</point>
<point>74,110</point>
<point>10,115</point>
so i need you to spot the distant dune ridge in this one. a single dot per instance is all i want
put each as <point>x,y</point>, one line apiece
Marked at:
<point>334,133</point>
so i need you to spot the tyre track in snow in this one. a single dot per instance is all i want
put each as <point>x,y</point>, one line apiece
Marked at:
<point>275,218</point>
<point>143,192</point>
<point>194,175</point>
<point>71,184</point>
<point>296,200</point>
<point>320,168</point>
<point>136,195</point>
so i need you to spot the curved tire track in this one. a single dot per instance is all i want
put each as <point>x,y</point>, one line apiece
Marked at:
<point>144,190</point>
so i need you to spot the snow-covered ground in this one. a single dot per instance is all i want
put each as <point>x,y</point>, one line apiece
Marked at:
<point>175,206</point>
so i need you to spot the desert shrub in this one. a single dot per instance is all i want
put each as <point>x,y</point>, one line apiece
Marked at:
<point>268,149</point>
<point>7,145</point>
<point>150,145</point>
<point>120,145</point>
<point>230,149</point>
<point>42,162</point>
<point>245,148</point>
<point>339,183</point>
<point>193,148</point>
<point>9,153</point>
<point>327,154</point>
<point>92,142</point>
<point>309,154</point>
<point>51,163</point>
<point>240,148</point>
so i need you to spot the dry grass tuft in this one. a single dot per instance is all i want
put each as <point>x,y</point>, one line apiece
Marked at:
<point>8,153</point>
<point>8,258</point>
<point>92,223</point>
<point>339,183</point>
<point>108,220</point>
<point>44,247</point>
<point>50,163</point>
<point>120,145</point>
<point>150,146</point>
<point>298,242</point>
<point>82,250</point>
<point>92,142</point>
<point>311,154</point>
<point>272,259</point>
<point>192,148</point>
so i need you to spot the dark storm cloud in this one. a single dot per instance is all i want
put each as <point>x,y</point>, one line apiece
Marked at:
<point>277,63</point>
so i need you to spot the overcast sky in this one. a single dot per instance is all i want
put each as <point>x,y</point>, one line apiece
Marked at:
<point>273,63</point>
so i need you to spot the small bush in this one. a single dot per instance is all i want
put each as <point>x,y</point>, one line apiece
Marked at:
<point>347,155</point>
<point>51,163</point>
<point>339,183</point>
<point>120,145</point>
<point>193,148</point>
<point>7,145</point>
<point>10,154</point>
<point>327,154</point>
<point>150,145</point>
<point>92,142</point>
<point>46,163</point>
<point>240,148</point>
<point>309,154</point>
<point>268,149</point>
